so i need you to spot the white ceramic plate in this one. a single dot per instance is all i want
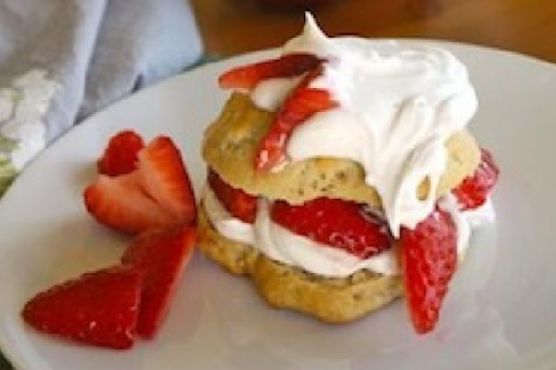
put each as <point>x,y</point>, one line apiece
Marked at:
<point>500,313</point>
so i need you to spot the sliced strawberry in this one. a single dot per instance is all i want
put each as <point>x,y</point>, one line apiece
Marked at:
<point>303,102</point>
<point>429,259</point>
<point>164,177</point>
<point>120,203</point>
<point>161,257</point>
<point>99,308</point>
<point>236,201</point>
<point>474,190</point>
<point>337,223</point>
<point>286,66</point>
<point>120,156</point>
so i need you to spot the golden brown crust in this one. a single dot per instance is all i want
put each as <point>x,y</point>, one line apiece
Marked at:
<point>231,142</point>
<point>334,300</point>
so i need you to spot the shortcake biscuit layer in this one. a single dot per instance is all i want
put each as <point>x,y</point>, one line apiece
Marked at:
<point>231,142</point>
<point>333,300</point>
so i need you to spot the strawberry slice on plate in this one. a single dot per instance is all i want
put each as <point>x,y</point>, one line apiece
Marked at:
<point>429,259</point>
<point>164,178</point>
<point>161,257</point>
<point>249,76</point>
<point>336,223</point>
<point>120,156</point>
<point>240,204</point>
<point>99,308</point>
<point>303,102</point>
<point>121,204</point>
<point>474,190</point>
<point>157,194</point>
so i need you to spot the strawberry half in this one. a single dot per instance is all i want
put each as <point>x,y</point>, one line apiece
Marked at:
<point>337,223</point>
<point>240,204</point>
<point>98,308</point>
<point>120,156</point>
<point>286,66</point>
<point>161,257</point>
<point>157,194</point>
<point>164,178</point>
<point>121,204</point>
<point>474,190</point>
<point>302,103</point>
<point>429,259</point>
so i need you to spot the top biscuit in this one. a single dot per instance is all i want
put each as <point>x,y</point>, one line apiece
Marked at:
<point>231,142</point>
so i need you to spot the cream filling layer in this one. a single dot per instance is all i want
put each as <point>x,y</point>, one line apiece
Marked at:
<point>282,245</point>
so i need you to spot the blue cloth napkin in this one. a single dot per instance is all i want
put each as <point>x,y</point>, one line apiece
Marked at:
<point>61,60</point>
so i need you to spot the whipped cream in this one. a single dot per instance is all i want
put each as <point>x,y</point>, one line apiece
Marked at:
<point>271,93</point>
<point>280,244</point>
<point>397,107</point>
<point>227,225</point>
<point>468,220</point>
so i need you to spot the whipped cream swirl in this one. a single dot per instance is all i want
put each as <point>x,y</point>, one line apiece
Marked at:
<point>398,105</point>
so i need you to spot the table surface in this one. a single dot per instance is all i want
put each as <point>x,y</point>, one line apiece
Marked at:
<point>230,27</point>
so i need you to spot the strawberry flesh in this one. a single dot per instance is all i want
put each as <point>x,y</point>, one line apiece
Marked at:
<point>158,193</point>
<point>337,223</point>
<point>120,203</point>
<point>161,256</point>
<point>474,190</point>
<point>249,76</point>
<point>120,156</point>
<point>429,259</point>
<point>164,178</point>
<point>98,308</point>
<point>240,204</point>
<point>301,104</point>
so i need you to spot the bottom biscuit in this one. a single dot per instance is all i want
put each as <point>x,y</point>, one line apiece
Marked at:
<point>334,300</point>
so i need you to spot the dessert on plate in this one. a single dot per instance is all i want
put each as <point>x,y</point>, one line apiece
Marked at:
<point>341,176</point>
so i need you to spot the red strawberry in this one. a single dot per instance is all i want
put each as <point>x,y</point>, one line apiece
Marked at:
<point>119,203</point>
<point>99,308</point>
<point>161,256</point>
<point>337,223</point>
<point>474,190</point>
<point>120,156</point>
<point>164,178</point>
<point>302,103</point>
<point>286,66</point>
<point>429,259</point>
<point>236,201</point>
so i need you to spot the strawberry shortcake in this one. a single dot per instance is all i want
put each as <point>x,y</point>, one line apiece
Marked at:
<point>341,176</point>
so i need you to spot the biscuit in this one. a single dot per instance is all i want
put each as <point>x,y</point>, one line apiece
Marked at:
<point>230,144</point>
<point>333,300</point>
